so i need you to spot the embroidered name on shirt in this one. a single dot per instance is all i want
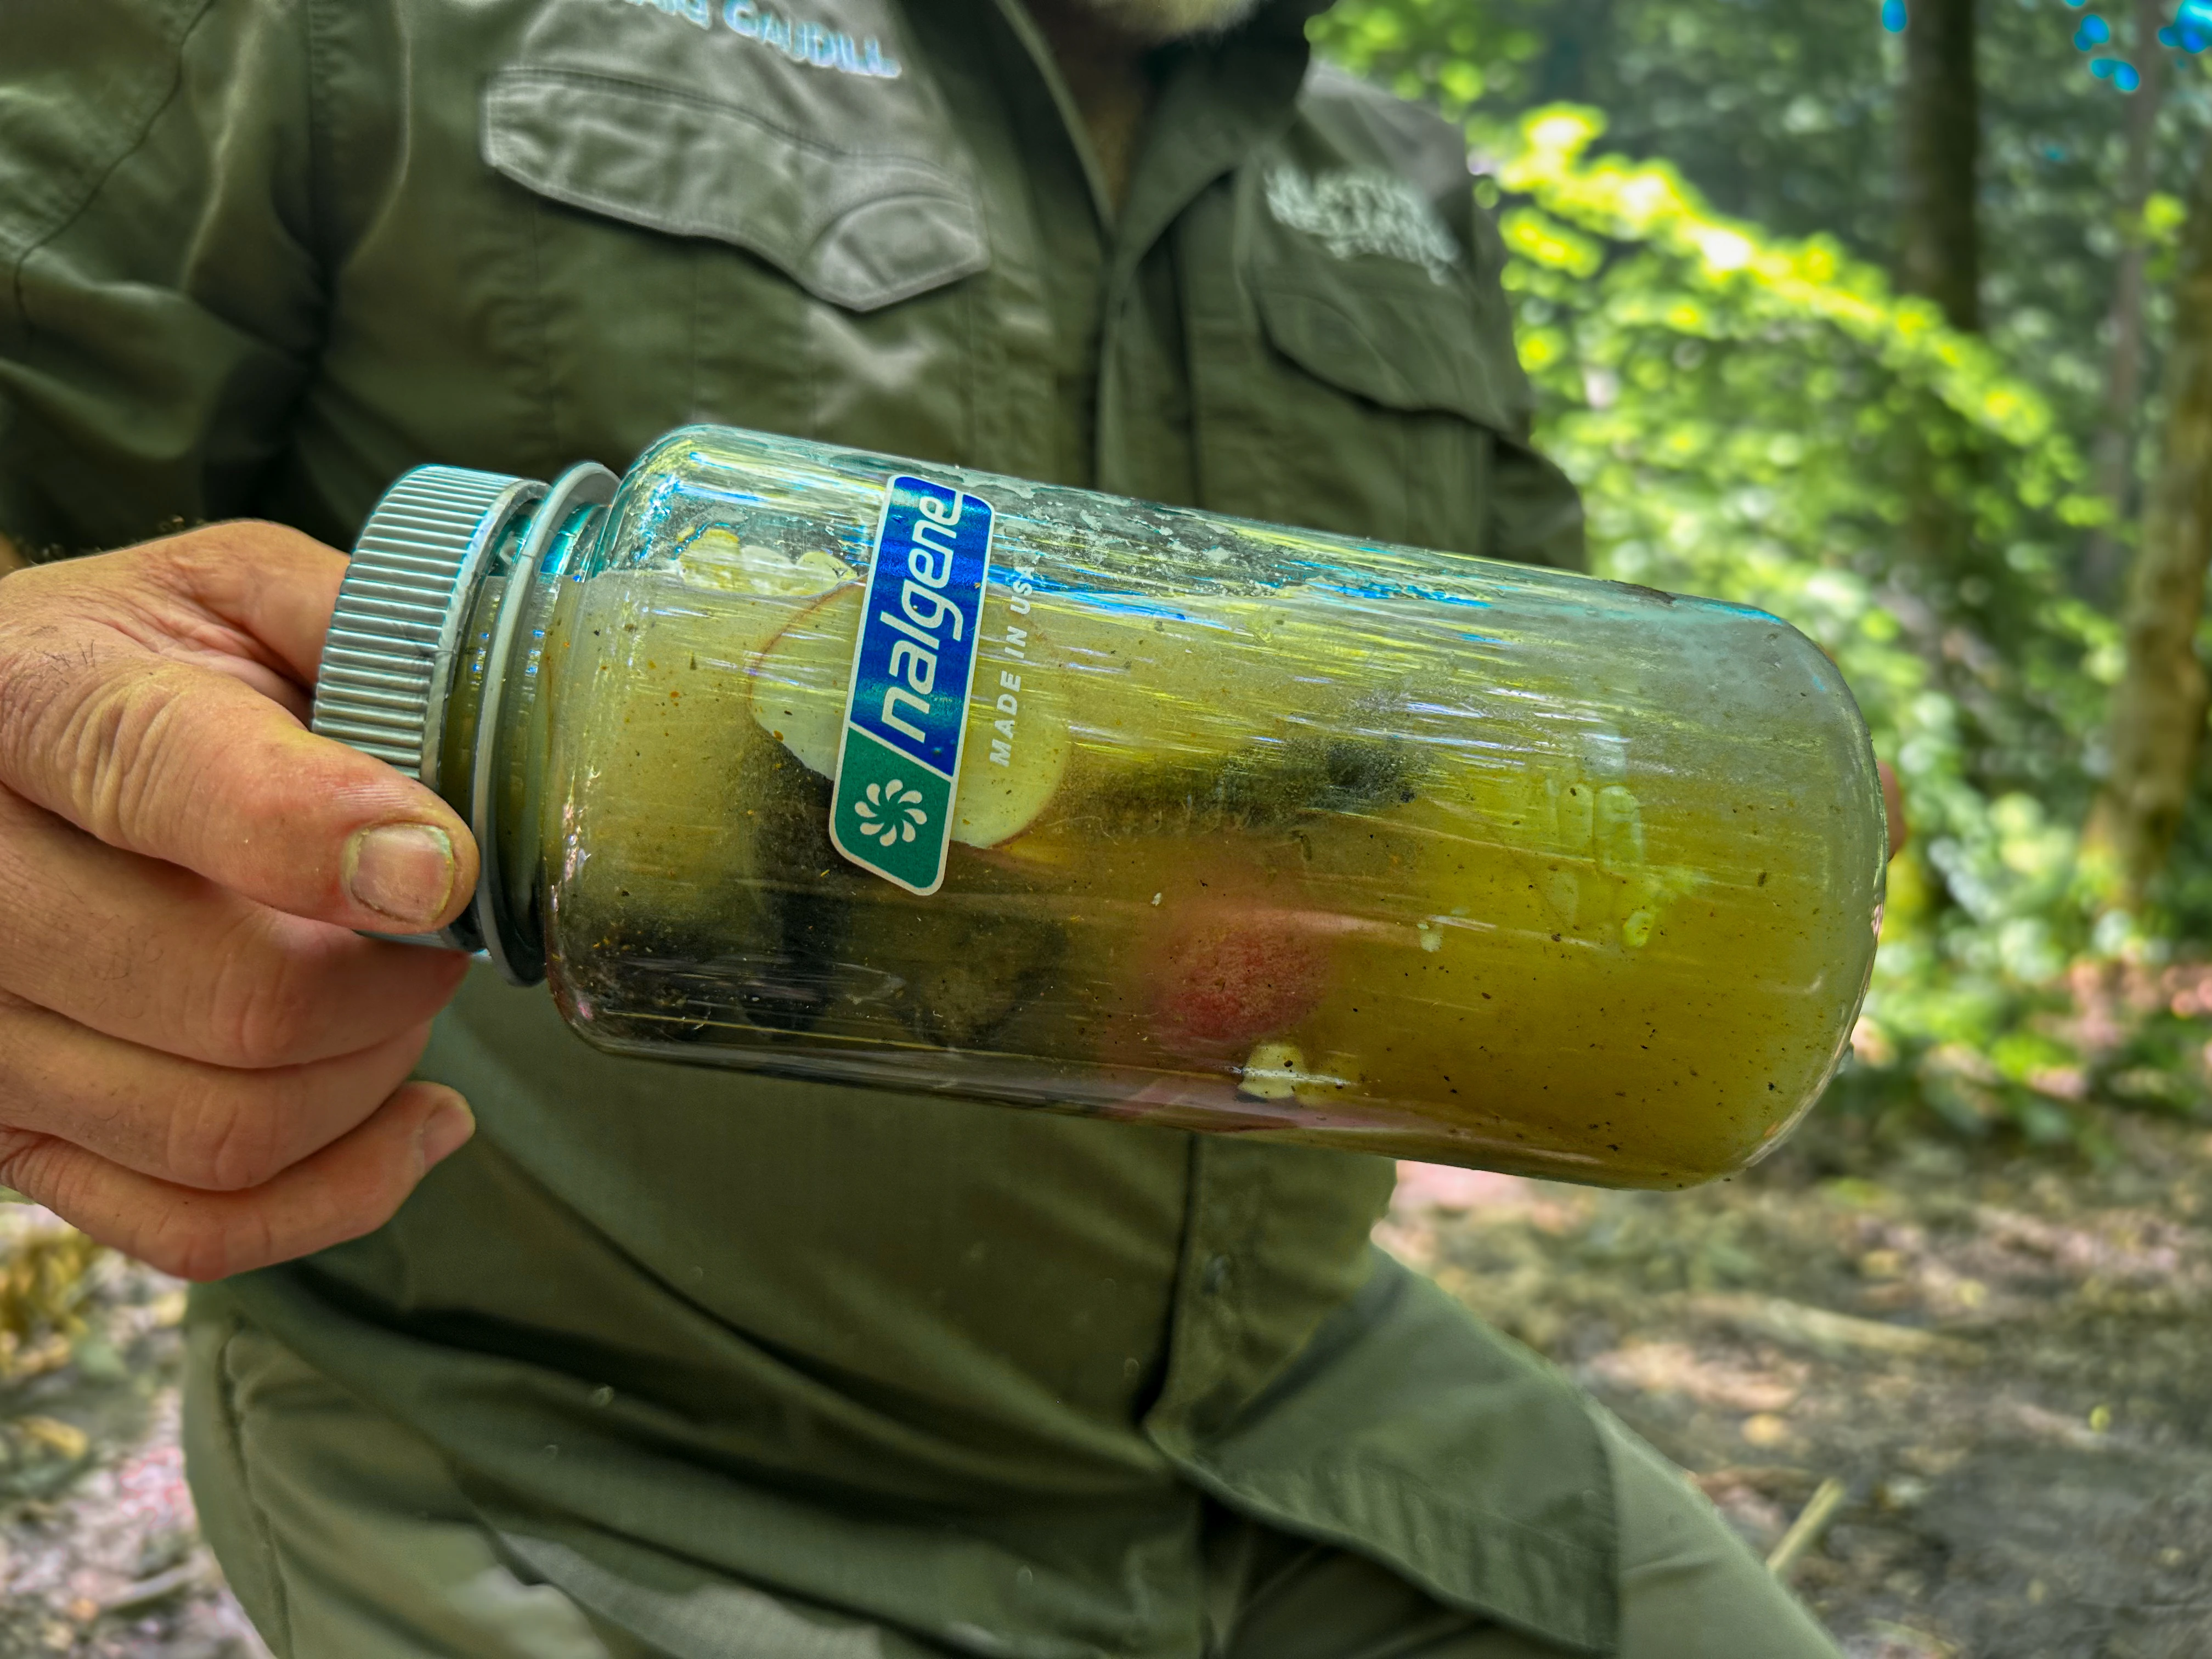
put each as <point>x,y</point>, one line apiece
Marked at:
<point>800,41</point>
<point>1359,210</point>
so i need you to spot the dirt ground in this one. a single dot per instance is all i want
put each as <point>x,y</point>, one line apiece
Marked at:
<point>2004,1360</point>
<point>1989,1371</point>
<point>99,1555</point>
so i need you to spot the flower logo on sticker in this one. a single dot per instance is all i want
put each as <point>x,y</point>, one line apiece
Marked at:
<point>891,812</point>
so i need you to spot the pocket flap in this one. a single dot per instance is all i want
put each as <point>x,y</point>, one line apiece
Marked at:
<point>1402,346</point>
<point>859,229</point>
<point>1360,282</point>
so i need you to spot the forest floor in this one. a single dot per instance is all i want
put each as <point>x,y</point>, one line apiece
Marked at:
<point>99,1553</point>
<point>2004,1361</point>
<point>1990,1370</point>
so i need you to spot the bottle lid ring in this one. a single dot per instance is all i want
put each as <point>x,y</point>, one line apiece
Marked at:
<point>583,487</point>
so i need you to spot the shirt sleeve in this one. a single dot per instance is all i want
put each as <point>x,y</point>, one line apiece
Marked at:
<point>159,303</point>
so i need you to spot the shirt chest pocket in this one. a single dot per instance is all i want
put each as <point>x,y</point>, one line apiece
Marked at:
<point>1348,388</point>
<point>727,236</point>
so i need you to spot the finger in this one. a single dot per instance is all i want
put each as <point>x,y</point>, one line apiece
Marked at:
<point>179,1120</point>
<point>349,1188</point>
<point>251,598</point>
<point>190,766</point>
<point>275,584</point>
<point>159,956</point>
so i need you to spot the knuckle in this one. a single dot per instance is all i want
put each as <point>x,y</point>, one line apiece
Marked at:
<point>114,756</point>
<point>217,552</point>
<point>198,1242</point>
<point>213,566</point>
<point>28,1165</point>
<point>188,557</point>
<point>228,1135</point>
<point>126,752</point>
<point>259,1016</point>
<point>187,563</point>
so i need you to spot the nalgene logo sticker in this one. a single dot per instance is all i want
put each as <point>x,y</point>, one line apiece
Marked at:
<point>906,715</point>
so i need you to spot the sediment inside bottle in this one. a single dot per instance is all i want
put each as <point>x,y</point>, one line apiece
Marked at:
<point>1275,861</point>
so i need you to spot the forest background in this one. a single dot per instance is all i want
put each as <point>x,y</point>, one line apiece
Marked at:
<point>1892,318</point>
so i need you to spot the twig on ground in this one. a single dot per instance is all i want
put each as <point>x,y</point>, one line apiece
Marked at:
<point>1805,1531</point>
<point>161,1586</point>
<point>1795,1324</point>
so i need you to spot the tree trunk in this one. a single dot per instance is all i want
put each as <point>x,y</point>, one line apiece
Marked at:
<point>1939,254</point>
<point>2104,559</point>
<point>1579,45</point>
<point>1939,132</point>
<point>2158,708</point>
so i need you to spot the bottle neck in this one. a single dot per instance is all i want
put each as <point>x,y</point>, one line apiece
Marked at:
<point>492,744</point>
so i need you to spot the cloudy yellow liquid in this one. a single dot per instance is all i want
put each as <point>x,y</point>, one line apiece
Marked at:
<point>1292,863</point>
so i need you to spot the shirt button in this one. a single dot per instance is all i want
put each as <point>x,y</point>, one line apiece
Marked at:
<point>1215,1276</point>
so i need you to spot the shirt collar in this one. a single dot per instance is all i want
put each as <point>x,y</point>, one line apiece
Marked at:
<point>1219,97</point>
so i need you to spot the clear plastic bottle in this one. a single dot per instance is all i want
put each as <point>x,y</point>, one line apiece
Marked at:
<point>1127,809</point>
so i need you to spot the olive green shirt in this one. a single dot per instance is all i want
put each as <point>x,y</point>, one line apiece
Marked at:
<point>960,1368</point>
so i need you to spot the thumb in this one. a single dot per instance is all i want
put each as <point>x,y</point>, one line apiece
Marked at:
<point>139,699</point>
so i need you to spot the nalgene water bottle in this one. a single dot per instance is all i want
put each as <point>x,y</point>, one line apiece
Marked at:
<point>795,759</point>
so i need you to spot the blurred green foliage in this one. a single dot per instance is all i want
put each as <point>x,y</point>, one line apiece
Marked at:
<point>1756,416</point>
<point>1780,112</point>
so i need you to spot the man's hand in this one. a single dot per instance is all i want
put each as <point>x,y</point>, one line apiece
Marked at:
<point>201,1062</point>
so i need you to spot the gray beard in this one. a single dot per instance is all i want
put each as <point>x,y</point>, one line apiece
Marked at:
<point>1156,21</point>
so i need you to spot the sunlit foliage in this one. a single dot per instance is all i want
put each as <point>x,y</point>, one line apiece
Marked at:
<point>1781,112</point>
<point>1752,416</point>
<point>1745,412</point>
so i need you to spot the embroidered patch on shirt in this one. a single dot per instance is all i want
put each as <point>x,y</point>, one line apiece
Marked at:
<point>1359,210</point>
<point>801,42</point>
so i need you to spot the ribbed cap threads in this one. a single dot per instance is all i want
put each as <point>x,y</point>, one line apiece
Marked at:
<point>389,653</point>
